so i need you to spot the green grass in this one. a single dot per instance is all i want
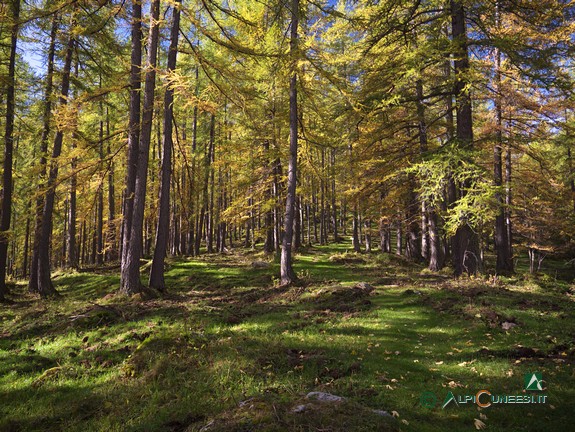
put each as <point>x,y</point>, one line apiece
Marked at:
<point>225,334</point>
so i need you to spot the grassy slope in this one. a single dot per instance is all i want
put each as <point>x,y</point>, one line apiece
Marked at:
<point>224,334</point>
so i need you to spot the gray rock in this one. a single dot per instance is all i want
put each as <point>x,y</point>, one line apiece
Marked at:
<point>324,397</point>
<point>506,325</point>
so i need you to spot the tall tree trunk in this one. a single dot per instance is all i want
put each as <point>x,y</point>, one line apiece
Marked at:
<point>47,111</point>
<point>70,240</point>
<point>288,275</point>
<point>130,273</point>
<point>466,254</point>
<point>504,263</point>
<point>45,286</point>
<point>133,128</point>
<point>111,251</point>
<point>163,228</point>
<point>355,232</point>
<point>508,199</point>
<point>100,213</point>
<point>8,147</point>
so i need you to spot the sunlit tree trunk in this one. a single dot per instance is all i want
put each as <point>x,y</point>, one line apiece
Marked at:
<point>130,273</point>
<point>286,270</point>
<point>45,286</point>
<point>163,228</point>
<point>133,127</point>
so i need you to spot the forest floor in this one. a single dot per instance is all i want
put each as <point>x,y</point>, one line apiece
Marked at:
<point>226,349</point>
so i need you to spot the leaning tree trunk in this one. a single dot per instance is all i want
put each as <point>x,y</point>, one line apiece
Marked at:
<point>130,273</point>
<point>8,148</point>
<point>466,243</point>
<point>45,286</point>
<point>163,228</point>
<point>286,270</point>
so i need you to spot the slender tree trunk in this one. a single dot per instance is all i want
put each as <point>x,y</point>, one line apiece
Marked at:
<point>6,215</point>
<point>130,275</point>
<point>112,252</point>
<point>355,235</point>
<point>133,129</point>
<point>163,228</point>
<point>45,286</point>
<point>399,236</point>
<point>100,213</point>
<point>367,225</point>
<point>504,262</point>
<point>466,257</point>
<point>288,275</point>
<point>70,240</point>
<point>33,280</point>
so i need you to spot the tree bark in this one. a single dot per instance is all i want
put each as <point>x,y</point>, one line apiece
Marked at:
<point>133,127</point>
<point>45,286</point>
<point>466,255</point>
<point>157,272</point>
<point>130,273</point>
<point>6,215</point>
<point>33,280</point>
<point>288,275</point>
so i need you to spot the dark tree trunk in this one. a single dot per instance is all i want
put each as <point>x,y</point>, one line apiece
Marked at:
<point>33,281</point>
<point>466,257</point>
<point>130,273</point>
<point>45,286</point>
<point>6,215</point>
<point>333,198</point>
<point>72,261</point>
<point>297,225</point>
<point>100,212</point>
<point>355,235</point>
<point>70,240</point>
<point>111,251</point>
<point>26,241</point>
<point>163,228</point>
<point>504,262</point>
<point>288,275</point>
<point>133,128</point>
<point>508,199</point>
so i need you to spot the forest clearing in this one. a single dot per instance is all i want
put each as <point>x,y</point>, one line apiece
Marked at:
<point>287,215</point>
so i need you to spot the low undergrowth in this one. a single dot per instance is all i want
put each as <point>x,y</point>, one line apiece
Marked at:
<point>227,349</point>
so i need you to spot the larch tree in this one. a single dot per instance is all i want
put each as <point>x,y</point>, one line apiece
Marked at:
<point>130,273</point>
<point>163,227</point>
<point>7,181</point>
<point>287,273</point>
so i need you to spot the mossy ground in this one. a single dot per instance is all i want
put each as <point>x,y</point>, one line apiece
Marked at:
<point>225,333</point>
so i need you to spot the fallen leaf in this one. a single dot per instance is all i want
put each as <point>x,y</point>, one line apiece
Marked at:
<point>482,416</point>
<point>552,407</point>
<point>405,422</point>
<point>478,424</point>
<point>439,362</point>
<point>395,414</point>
